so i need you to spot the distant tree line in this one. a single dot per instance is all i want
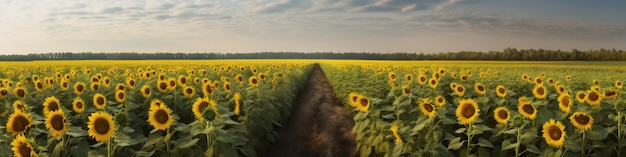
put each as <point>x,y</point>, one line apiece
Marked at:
<point>508,54</point>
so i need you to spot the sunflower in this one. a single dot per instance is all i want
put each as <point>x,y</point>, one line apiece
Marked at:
<point>39,86</point>
<point>182,80</point>
<point>408,77</point>
<point>19,105</point>
<point>101,126</point>
<point>196,80</point>
<point>550,80</point>
<point>363,104</point>
<point>464,78</point>
<point>568,78</point>
<point>189,91</point>
<point>427,108</point>
<point>261,76</point>
<point>581,120</point>
<point>440,101</point>
<point>593,98</point>
<point>95,86</point>
<point>467,111</point>
<point>540,92</point>
<point>527,110</point>
<point>145,91</point>
<point>580,96</point>
<point>459,90</point>
<point>21,147</point>
<point>156,103</point>
<point>422,79</point>
<point>595,88</point>
<point>119,86</point>
<point>538,81</point>
<point>19,92</point>
<point>78,105</point>
<point>99,101</point>
<point>18,122</point>
<point>200,105</point>
<point>502,115</point>
<point>500,91</point>
<point>79,88</point>
<point>565,102</point>
<point>65,85</point>
<point>160,117</point>
<point>560,89</point>
<point>239,78</point>
<point>554,133</point>
<point>162,86</point>
<point>237,99</point>
<point>227,87</point>
<point>596,82</point>
<point>120,96</point>
<point>394,130</point>
<point>3,92</point>
<point>479,88</point>
<point>51,104</point>
<point>611,94</point>
<point>392,76</point>
<point>131,82</point>
<point>207,88</point>
<point>253,81</point>
<point>55,122</point>
<point>353,98</point>
<point>106,82</point>
<point>618,84</point>
<point>433,83</point>
<point>171,83</point>
<point>406,90</point>
<point>161,77</point>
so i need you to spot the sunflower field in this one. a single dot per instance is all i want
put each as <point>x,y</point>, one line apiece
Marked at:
<point>145,108</point>
<point>477,108</point>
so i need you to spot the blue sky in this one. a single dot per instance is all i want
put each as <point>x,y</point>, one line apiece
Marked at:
<point>28,26</point>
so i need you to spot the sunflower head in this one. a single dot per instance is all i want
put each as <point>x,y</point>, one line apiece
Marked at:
<point>500,91</point>
<point>581,120</point>
<point>207,88</point>
<point>540,92</point>
<point>480,88</point>
<point>101,126</point>
<point>55,122</point>
<point>426,106</point>
<point>160,117</point>
<point>171,83</point>
<point>51,104</point>
<point>99,101</point>
<point>527,110</point>
<point>4,92</point>
<point>189,91</point>
<point>568,78</point>
<point>459,90</point>
<point>580,96</point>
<point>19,92</point>
<point>19,105</point>
<point>596,82</point>
<point>95,86</point>
<point>162,86</point>
<point>146,92</point>
<point>422,79</point>
<point>392,76</point>
<point>18,122</point>
<point>618,84</point>
<point>550,81</point>
<point>182,80</point>
<point>406,90</point>
<point>394,130</point>
<point>408,77</point>
<point>464,78</point>
<point>554,133</point>
<point>253,81</point>
<point>79,88</point>
<point>237,99</point>
<point>65,85</point>
<point>120,96</point>
<point>467,111</point>
<point>611,94</point>
<point>120,86</point>
<point>78,105</point>
<point>363,104</point>
<point>353,98</point>
<point>202,104</point>
<point>502,115</point>
<point>593,98</point>
<point>440,101</point>
<point>227,87</point>
<point>239,78</point>
<point>538,81</point>
<point>21,147</point>
<point>433,83</point>
<point>565,102</point>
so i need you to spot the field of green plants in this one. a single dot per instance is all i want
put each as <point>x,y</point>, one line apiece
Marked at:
<point>476,108</point>
<point>145,108</point>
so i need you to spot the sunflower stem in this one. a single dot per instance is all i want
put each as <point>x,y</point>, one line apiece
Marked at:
<point>469,139</point>
<point>167,143</point>
<point>109,153</point>
<point>517,153</point>
<point>582,149</point>
<point>619,133</point>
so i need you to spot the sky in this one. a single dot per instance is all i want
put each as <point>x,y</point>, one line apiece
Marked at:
<point>241,26</point>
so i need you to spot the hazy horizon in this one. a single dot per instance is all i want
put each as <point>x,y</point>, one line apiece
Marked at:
<point>232,26</point>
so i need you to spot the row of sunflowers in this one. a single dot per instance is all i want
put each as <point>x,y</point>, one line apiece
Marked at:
<point>482,109</point>
<point>165,108</point>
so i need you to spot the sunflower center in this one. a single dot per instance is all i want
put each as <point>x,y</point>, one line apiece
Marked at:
<point>132,83</point>
<point>53,106</point>
<point>468,110</point>
<point>101,126</point>
<point>24,150</point>
<point>4,92</point>
<point>120,87</point>
<point>503,114</point>
<point>540,91</point>
<point>80,88</point>
<point>189,91</point>
<point>440,100</point>
<point>161,116</point>
<point>57,122</point>
<point>21,93</point>
<point>120,95</point>
<point>172,83</point>
<point>565,101</point>
<point>610,93</point>
<point>481,88</point>
<point>393,77</point>
<point>581,96</point>
<point>408,78</point>
<point>619,83</point>
<point>354,98</point>
<point>528,108</point>
<point>539,81</point>
<point>593,96</point>
<point>96,87</point>
<point>20,123</point>
<point>40,85</point>
<point>202,106</point>
<point>163,85</point>
<point>433,82</point>
<point>555,132</point>
<point>183,80</point>
<point>423,79</point>
<point>254,81</point>
<point>107,81</point>
<point>428,107</point>
<point>100,100</point>
<point>582,119</point>
<point>460,89</point>
<point>208,88</point>
<point>79,104</point>
<point>364,102</point>
<point>239,79</point>
<point>407,90</point>
<point>64,84</point>
<point>464,77</point>
<point>147,90</point>
<point>501,90</point>
<point>227,86</point>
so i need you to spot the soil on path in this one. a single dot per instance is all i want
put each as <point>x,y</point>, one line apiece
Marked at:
<point>318,125</point>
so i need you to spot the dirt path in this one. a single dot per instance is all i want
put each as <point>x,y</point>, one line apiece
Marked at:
<point>318,126</point>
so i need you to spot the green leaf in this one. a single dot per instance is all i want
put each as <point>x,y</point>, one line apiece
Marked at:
<point>528,136</point>
<point>75,131</point>
<point>460,130</point>
<point>419,126</point>
<point>455,143</point>
<point>484,143</point>
<point>189,144</point>
<point>533,149</point>
<point>512,131</point>
<point>597,133</point>
<point>506,145</point>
